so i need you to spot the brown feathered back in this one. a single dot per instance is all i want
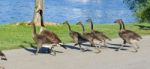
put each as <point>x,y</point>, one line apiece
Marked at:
<point>76,36</point>
<point>100,35</point>
<point>53,38</point>
<point>88,35</point>
<point>128,34</point>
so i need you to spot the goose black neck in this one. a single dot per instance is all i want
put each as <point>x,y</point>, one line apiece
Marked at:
<point>83,29</point>
<point>91,23</point>
<point>68,26</point>
<point>41,14</point>
<point>123,25</point>
<point>120,26</point>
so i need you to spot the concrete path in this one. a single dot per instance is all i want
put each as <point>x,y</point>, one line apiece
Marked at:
<point>73,58</point>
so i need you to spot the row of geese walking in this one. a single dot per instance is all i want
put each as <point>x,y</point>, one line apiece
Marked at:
<point>95,38</point>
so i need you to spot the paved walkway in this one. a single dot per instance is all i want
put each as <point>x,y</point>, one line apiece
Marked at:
<point>73,58</point>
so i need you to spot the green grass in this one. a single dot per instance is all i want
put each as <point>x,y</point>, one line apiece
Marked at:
<point>13,36</point>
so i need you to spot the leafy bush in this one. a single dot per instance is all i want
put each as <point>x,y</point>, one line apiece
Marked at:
<point>141,9</point>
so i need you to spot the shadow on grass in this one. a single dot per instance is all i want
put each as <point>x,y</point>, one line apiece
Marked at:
<point>142,27</point>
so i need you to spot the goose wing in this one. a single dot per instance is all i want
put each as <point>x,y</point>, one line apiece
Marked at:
<point>101,35</point>
<point>52,36</point>
<point>128,34</point>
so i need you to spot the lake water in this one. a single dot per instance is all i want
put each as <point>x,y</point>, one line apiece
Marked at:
<point>101,11</point>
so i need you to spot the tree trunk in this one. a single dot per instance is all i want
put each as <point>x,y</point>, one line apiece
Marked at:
<point>38,13</point>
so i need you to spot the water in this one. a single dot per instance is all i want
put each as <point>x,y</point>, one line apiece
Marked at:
<point>101,11</point>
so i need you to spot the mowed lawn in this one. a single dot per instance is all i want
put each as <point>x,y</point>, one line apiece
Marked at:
<point>14,36</point>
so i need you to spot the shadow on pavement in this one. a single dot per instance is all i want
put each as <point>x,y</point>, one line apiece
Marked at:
<point>116,46</point>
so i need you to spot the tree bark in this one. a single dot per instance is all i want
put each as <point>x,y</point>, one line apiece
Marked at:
<point>38,13</point>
